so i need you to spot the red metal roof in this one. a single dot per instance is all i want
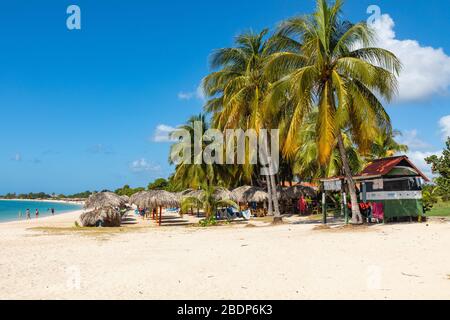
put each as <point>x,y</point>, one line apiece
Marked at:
<point>384,166</point>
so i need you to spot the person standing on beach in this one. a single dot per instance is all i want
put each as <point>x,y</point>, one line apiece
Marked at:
<point>28,214</point>
<point>37,213</point>
<point>53,211</point>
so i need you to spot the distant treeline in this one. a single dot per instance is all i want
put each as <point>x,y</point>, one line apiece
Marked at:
<point>39,195</point>
<point>158,184</point>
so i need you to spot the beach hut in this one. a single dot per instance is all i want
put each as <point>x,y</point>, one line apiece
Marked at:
<point>392,185</point>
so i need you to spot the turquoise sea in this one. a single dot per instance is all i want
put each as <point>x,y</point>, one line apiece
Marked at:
<point>10,209</point>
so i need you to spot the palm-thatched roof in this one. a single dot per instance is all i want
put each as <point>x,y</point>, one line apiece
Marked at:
<point>104,200</point>
<point>249,194</point>
<point>219,194</point>
<point>295,192</point>
<point>154,199</point>
<point>223,194</point>
<point>125,198</point>
<point>183,194</point>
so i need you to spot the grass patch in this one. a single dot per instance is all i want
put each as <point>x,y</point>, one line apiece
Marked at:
<point>440,209</point>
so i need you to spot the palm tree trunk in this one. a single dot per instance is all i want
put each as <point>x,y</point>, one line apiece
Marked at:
<point>271,186</point>
<point>269,192</point>
<point>277,215</point>
<point>356,214</point>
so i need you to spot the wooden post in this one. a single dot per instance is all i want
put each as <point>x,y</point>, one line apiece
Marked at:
<point>153,214</point>
<point>345,207</point>
<point>324,208</point>
<point>160,215</point>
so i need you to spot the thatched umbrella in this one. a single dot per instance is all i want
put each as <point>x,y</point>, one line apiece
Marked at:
<point>154,199</point>
<point>183,194</point>
<point>104,200</point>
<point>295,192</point>
<point>219,194</point>
<point>249,194</point>
<point>125,198</point>
<point>101,218</point>
<point>223,194</point>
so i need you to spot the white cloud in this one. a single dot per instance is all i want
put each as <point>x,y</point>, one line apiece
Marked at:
<point>418,158</point>
<point>162,133</point>
<point>197,94</point>
<point>444,124</point>
<point>412,140</point>
<point>185,95</point>
<point>142,165</point>
<point>426,70</point>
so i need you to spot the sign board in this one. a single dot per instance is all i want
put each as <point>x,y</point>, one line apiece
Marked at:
<point>394,195</point>
<point>335,185</point>
<point>378,184</point>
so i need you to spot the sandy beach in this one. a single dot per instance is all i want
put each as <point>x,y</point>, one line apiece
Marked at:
<point>290,261</point>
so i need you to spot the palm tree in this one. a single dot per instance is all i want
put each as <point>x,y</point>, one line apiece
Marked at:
<point>237,91</point>
<point>191,174</point>
<point>332,63</point>
<point>208,201</point>
<point>385,146</point>
<point>306,163</point>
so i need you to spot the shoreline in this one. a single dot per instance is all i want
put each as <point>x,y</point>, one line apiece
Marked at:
<point>46,218</point>
<point>60,219</point>
<point>81,202</point>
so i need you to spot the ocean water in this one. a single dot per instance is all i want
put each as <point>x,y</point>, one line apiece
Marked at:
<point>9,209</point>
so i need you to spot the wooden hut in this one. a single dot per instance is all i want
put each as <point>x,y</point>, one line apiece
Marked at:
<point>395,183</point>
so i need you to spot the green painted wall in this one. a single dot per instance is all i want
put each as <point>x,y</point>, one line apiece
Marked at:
<point>401,208</point>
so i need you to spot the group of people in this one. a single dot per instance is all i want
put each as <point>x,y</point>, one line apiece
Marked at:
<point>145,213</point>
<point>28,213</point>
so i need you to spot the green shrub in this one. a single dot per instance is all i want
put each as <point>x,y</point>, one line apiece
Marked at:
<point>211,221</point>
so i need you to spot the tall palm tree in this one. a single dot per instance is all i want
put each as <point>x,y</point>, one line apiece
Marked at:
<point>332,63</point>
<point>237,91</point>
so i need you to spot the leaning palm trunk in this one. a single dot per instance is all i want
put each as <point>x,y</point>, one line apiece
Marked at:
<point>356,214</point>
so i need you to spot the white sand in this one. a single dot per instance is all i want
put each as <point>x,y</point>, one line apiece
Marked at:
<point>291,261</point>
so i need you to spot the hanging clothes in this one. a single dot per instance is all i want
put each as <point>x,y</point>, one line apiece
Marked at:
<point>377,211</point>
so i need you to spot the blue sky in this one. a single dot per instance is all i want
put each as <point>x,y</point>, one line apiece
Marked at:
<point>80,109</point>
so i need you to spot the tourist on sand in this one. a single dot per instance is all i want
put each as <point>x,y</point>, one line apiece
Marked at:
<point>28,214</point>
<point>37,213</point>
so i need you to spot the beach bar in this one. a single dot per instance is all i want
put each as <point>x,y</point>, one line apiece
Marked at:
<point>393,186</point>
